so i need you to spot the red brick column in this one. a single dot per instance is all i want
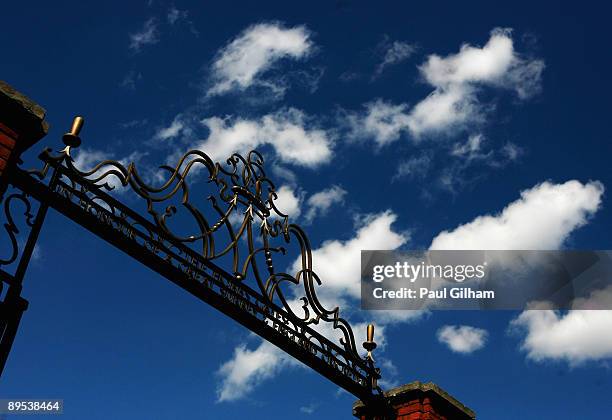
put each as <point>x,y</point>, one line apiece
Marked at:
<point>8,140</point>
<point>21,125</point>
<point>416,401</point>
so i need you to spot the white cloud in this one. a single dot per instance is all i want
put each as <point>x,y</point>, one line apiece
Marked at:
<point>470,149</point>
<point>130,80</point>
<point>391,373</point>
<point>415,167</point>
<point>399,316</point>
<point>248,368</point>
<point>511,151</point>
<point>148,35</point>
<point>385,122</point>
<point>462,338</point>
<point>465,155</point>
<point>240,64</point>
<point>37,253</point>
<point>472,64</point>
<point>320,203</point>
<point>395,53</point>
<point>173,130</point>
<point>284,174</point>
<point>497,64</point>
<point>575,337</point>
<point>174,15</point>
<point>542,218</point>
<point>456,78</point>
<point>444,110</point>
<point>382,121</point>
<point>453,104</point>
<point>288,202</point>
<point>337,262</point>
<point>86,159</point>
<point>309,409</point>
<point>288,131</point>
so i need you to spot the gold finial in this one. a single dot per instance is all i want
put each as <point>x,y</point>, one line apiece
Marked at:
<point>72,139</point>
<point>371,332</point>
<point>370,345</point>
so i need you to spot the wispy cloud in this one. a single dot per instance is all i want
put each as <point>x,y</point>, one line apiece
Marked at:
<point>393,53</point>
<point>175,15</point>
<point>320,202</point>
<point>248,368</point>
<point>414,167</point>
<point>133,123</point>
<point>147,35</point>
<point>240,64</point>
<point>86,159</point>
<point>173,130</point>
<point>466,161</point>
<point>294,137</point>
<point>309,409</point>
<point>471,149</point>
<point>130,80</point>
<point>381,121</point>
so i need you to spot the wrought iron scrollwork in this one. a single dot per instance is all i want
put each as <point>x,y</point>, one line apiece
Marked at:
<point>11,227</point>
<point>242,187</point>
<point>240,225</point>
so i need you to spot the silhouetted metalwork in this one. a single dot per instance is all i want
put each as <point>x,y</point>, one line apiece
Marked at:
<point>227,258</point>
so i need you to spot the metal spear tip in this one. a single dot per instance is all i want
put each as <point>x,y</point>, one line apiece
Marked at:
<point>72,138</point>
<point>370,345</point>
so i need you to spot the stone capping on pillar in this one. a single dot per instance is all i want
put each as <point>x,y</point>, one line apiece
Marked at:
<point>22,123</point>
<point>21,118</point>
<point>418,400</point>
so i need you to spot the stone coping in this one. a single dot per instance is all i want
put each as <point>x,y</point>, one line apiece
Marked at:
<point>22,115</point>
<point>395,394</point>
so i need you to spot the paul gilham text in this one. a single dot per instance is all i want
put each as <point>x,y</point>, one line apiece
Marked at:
<point>425,293</point>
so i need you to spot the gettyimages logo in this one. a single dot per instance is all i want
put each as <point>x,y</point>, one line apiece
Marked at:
<point>515,280</point>
<point>413,272</point>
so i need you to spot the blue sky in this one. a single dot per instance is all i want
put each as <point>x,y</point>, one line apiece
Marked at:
<point>458,125</point>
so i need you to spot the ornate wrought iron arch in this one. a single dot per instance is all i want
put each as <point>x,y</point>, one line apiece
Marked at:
<point>242,228</point>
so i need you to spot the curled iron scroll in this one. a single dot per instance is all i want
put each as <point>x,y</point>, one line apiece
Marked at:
<point>240,187</point>
<point>11,227</point>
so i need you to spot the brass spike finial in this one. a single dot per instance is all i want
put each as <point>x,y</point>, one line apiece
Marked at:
<point>72,139</point>
<point>370,345</point>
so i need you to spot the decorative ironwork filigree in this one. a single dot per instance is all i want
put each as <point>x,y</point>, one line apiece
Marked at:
<point>242,188</point>
<point>11,227</point>
<point>239,228</point>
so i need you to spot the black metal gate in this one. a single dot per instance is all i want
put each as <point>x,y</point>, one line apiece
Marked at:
<point>228,262</point>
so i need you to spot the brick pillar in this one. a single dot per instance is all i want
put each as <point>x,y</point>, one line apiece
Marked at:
<point>21,125</point>
<point>416,401</point>
<point>8,140</point>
